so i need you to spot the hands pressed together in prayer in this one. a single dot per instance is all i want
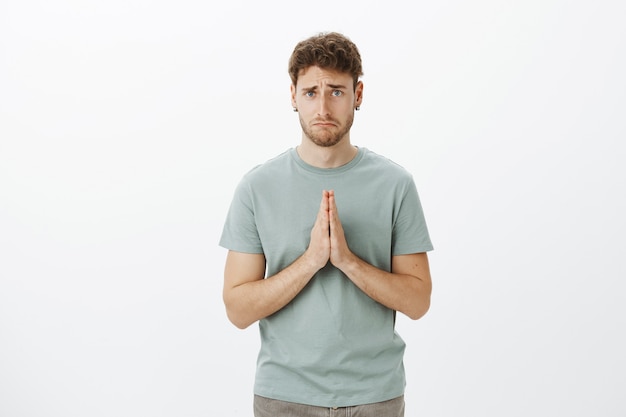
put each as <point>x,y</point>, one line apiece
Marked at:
<point>328,241</point>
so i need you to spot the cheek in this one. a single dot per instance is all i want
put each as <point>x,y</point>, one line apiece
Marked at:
<point>306,106</point>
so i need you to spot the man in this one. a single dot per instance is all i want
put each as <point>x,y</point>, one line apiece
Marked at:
<point>341,233</point>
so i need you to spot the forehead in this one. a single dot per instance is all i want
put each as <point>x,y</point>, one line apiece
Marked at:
<point>314,75</point>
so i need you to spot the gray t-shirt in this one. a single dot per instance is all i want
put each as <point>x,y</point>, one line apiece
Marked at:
<point>332,345</point>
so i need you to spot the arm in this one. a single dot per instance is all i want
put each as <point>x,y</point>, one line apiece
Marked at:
<point>249,297</point>
<point>407,288</point>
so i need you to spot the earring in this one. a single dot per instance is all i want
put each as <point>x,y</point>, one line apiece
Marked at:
<point>357,108</point>
<point>295,109</point>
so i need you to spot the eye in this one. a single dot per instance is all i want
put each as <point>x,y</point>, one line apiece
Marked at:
<point>309,94</point>
<point>337,93</point>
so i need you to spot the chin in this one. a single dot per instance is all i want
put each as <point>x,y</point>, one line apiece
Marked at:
<point>325,142</point>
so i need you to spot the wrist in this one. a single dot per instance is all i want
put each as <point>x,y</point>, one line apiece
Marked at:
<point>312,263</point>
<point>347,263</point>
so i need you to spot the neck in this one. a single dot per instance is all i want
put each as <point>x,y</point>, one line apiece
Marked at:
<point>326,157</point>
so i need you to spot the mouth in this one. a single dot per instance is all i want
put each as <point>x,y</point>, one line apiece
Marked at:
<point>324,123</point>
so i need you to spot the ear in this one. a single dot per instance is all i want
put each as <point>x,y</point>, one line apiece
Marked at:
<point>293,96</point>
<point>358,94</point>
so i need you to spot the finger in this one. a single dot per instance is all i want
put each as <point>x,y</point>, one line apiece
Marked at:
<point>322,215</point>
<point>333,214</point>
<point>323,205</point>
<point>331,200</point>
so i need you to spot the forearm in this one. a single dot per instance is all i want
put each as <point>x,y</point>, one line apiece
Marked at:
<point>407,293</point>
<point>251,301</point>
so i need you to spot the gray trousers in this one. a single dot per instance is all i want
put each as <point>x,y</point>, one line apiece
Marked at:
<point>266,407</point>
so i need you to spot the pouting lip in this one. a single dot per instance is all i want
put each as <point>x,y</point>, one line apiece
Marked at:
<point>323,123</point>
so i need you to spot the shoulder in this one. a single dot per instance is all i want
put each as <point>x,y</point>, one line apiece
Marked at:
<point>383,164</point>
<point>268,168</point>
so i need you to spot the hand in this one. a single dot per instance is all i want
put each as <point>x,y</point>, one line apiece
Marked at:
<point>319,246</point>
<point>339,251</point>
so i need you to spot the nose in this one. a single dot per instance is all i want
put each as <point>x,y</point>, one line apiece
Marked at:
<point>323,109</point>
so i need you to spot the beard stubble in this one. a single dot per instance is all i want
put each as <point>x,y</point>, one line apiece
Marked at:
<point>326,138</point>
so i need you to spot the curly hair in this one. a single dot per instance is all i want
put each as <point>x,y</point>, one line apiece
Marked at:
<point>328,50</point>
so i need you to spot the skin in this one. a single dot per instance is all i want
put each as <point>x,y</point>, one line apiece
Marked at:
<point>325,101</point>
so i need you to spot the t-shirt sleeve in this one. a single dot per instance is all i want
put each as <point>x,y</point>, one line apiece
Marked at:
<point>410,232</point>
<point>240,231</point>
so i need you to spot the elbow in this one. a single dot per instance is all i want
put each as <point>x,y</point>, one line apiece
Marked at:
<point>239,322</point>
<point>241,325</point>
<point>421,304</point>
<point>235,315</point>
<point>419,310</point>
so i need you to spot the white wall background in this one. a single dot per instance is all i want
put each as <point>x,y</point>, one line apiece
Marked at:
<point>125,125</point>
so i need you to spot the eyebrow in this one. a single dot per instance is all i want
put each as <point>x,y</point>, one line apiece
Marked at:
<point>330,86</point>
